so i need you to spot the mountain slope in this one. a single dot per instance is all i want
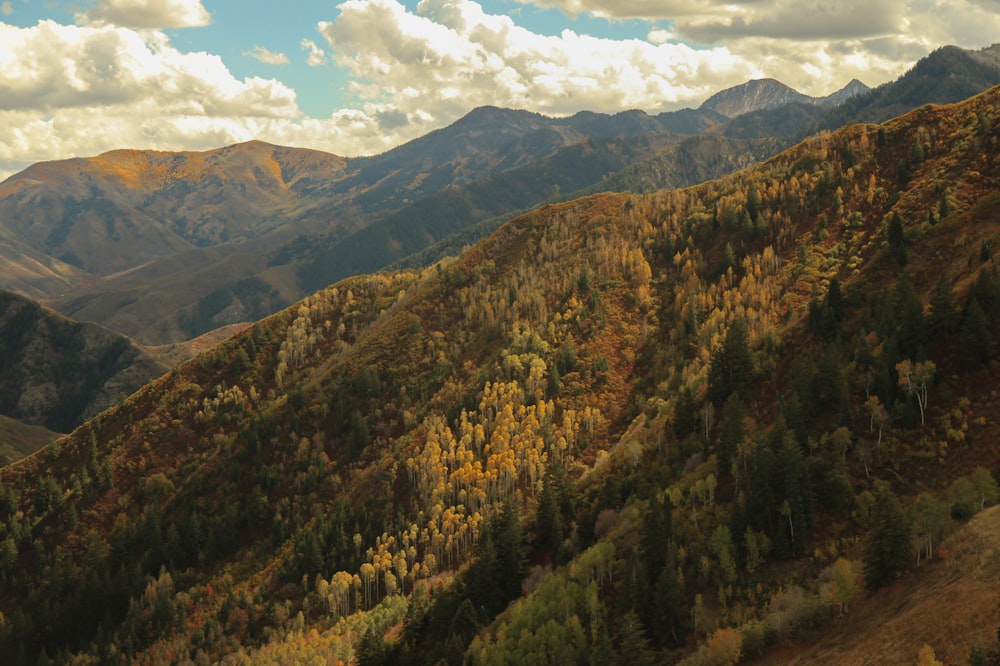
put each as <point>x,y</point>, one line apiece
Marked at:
<point>59,373</point>
<point>946,75</point>
<point>765,94</point>
<point>616,424</point>
<point>96,235</point>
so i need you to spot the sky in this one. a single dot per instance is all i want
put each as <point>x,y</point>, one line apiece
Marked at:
<point>358,77</point>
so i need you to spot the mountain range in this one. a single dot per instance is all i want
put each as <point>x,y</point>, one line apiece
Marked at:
<point>166,246</point>
<point>729,422</point>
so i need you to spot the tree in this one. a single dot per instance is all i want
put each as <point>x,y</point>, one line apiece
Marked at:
<point>724,647</point>
<point>731,436</point>
<point>976,342</point>
<point>731,366</point>
<point>915,379</point>
<point>944,314</point>
<point>930,519</point>
<point>549,523</point>
<point>878,417</point>
<point>843,585</point>
<point>926,656</point>
<point>888,549</point>
<point>685,413</point>
<point>897,241</point>
<point>667,603</point>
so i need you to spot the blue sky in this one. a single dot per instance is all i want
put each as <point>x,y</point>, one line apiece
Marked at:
<point>358,77</point>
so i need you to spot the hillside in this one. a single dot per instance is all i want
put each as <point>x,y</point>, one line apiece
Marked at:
<point>18,440</point>
<point>687,424</point>
<point>58,373</point>
<point>115,238</point>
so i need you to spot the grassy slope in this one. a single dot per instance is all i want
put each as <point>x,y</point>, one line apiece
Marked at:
<point>18,440</point>
<point>947,604</point>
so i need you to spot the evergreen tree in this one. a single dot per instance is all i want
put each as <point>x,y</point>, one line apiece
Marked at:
<point>685,414</point>
<point>549,523</point>
<point>976,342</point>
<point>656,535</point>
<point>731,367</point>
<point>888,550</point>
<point>911,333</point>
<point>897,240</point>
<point>731,435</point>
<point>944,315</point>
<point>633,645</point>
<point>667,602</point>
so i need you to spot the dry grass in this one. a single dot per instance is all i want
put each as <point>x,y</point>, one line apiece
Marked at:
<point>947,604</point>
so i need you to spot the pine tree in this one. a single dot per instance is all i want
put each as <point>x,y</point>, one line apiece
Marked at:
<point>897,240</point>
<point>731,435</point>
<point>976,342</point>
<point>888,551</point>
<point>731,366</point>
<point>944,315</point>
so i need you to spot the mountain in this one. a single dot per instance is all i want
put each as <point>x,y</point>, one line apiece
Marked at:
<point>945,76</point>
<point>166,246</point>
<point>58,373</point>
<point>676,425</point>
<point>764,94</point>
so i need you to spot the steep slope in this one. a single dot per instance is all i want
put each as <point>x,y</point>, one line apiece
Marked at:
<point>616,424</point>
<point>59,373</point>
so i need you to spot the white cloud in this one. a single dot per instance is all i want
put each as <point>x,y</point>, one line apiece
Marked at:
<point>147,14</point>
<point>266,56</point>
<point>451,56</point>
<point>81,90</point>
<point>51,66</point>
<point>316,57</point>
<point>70,90</point>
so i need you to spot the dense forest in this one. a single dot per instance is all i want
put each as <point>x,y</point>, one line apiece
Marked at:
<point>682,426</point>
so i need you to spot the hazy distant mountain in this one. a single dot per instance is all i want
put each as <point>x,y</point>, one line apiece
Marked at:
<point>761,94</point>
<point>56,372</point>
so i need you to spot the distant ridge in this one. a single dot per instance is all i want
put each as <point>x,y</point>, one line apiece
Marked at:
<point>761,94</point>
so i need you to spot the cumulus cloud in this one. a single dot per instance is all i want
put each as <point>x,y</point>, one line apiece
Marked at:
<point>970,23</point>
<point>147,14</point>
<point>76,90</point>
<point>450,55</point>
<point>113,81</point>
<point>266,56</point>
<point>50,66</point>
<point>317,56</point>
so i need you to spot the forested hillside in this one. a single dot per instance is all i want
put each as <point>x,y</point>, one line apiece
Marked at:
<point>692,425</point>
<point>58,373</point>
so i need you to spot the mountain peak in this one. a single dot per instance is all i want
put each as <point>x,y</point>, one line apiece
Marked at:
<point>754,95</point>
<point>761,94</point>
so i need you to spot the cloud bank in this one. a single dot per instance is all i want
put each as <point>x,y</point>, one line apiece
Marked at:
<point>116,80</point>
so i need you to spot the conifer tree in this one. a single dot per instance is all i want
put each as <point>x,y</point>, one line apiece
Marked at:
<point>888,550</point>
<point>731,366</point>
